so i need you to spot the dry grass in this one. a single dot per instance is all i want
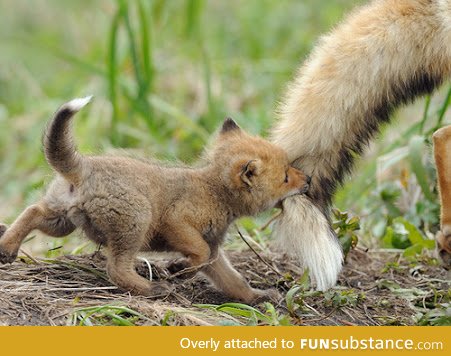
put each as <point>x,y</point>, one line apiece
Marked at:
<point>376,288</point>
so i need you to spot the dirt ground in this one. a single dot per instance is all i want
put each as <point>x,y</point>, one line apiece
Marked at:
<point>375,288</point>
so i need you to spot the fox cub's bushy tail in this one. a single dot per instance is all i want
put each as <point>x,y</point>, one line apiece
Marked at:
<point>384,55</point>
<point>59,148</point>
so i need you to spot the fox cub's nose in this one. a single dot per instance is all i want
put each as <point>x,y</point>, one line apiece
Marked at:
<point>306,186</point>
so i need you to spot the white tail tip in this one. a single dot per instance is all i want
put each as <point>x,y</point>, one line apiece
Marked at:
<point>78,103</point>
<point>304,232</point>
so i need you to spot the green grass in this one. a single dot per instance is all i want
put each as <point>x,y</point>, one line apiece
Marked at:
<point>165,74</point>
<point>107,315</point>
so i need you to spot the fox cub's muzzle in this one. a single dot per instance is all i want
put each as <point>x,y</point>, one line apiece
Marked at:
<point>306,186</point>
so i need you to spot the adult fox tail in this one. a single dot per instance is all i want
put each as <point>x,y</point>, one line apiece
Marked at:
<point>384,55</point>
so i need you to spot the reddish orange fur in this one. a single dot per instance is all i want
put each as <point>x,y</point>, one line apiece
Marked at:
<point>442,149</point>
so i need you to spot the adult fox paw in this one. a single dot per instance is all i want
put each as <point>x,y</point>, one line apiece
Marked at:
<point>444,249</point>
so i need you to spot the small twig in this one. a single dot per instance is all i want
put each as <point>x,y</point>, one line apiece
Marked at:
<point>55,248</point>
<point>345,311</point>
<point>312,309</point>
<point>256,253</point>
<point>362,249</point>
<point>191,269</point>
<point>365,309</point>
<point>80,289</point>
<point>29,256</point>
<point>77,266</point>
<point>322,318</point>
<point>273,218</point>
<point>148,266</point>
<point>345,322</point>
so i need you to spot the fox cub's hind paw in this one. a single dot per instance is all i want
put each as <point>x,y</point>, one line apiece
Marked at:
<point>159,289</point>
<point>267,295</point>
<point>444,249</point>
<point>155,289</point>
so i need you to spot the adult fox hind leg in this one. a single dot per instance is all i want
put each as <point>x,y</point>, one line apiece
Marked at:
<point>37,216</point>
<point>442,155</point>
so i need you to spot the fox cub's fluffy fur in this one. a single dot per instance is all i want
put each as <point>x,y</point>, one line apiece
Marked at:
<point>130,206</point>
<point>385,54</point>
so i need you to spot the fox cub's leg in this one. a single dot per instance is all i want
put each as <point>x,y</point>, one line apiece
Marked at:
<point>37,216</point>
<point>442,154</point>
<point>227,279</point>
<point>121,267</point>
<point>124,241</point>
<point>125,236</point>
<point>188,241</point>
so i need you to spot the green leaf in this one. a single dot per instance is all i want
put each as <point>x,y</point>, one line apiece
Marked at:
<point>303,281</point>
<point>237,309</point>
<point>414,234</point>
<point>391,158</point>
<point>400,238</point>
<point>429,244</point>
<point>388,237</point>
<point>416,149</point>
<point>413,250</point>
<point>290,298</point>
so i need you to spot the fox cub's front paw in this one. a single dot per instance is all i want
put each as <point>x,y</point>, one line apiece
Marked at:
<point>2,229</point>
<point>6,256</point>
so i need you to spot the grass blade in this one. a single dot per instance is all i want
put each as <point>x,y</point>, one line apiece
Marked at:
<point>146,43</point>
<point>112,75</point>
<point>238,309</point>
<point>443,109</point>
<point>425,113</point>
<point>174,112</point>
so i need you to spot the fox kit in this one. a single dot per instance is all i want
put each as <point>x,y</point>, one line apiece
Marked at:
<point>442,154</point>
<point>384,55</point>
<point>131,206</point>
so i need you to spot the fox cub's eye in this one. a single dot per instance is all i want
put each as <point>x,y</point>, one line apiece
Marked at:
<point>286,178</point>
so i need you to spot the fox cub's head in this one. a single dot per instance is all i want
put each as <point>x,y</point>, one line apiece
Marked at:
<point>256,172</point>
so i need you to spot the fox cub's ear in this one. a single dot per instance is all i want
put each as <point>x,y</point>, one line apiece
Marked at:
<point>249,171</point>
<point>229,125</point>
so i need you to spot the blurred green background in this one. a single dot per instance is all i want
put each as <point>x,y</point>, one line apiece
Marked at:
<point>164,75</point>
